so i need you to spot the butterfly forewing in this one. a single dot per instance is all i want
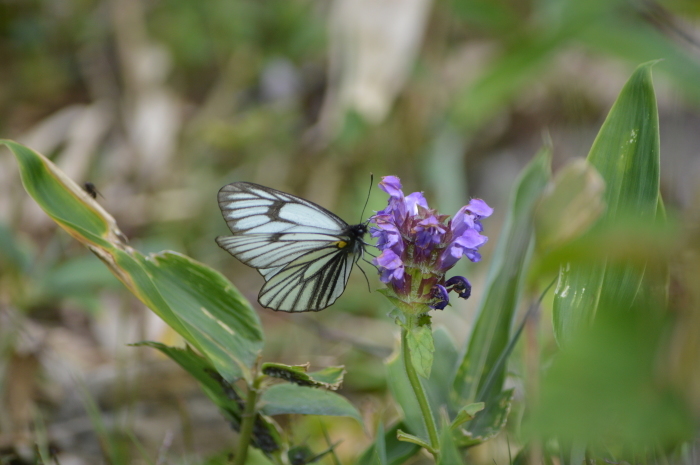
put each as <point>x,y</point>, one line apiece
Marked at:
<point>304,252</point>
<point>272,210</point>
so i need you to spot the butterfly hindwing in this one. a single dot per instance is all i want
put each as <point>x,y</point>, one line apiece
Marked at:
<point>304,252</point>
<point>310,283</point>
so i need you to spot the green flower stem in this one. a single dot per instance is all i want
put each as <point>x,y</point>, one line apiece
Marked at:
<point>420,395</point>
<point>248,423</point>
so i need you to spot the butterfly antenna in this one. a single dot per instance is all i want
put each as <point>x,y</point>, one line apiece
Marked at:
<point>365,275</point>
<point>371,182</point>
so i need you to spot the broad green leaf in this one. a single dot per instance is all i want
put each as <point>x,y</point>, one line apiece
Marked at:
<point>487,423</point>
<point>225,396</point>
<point>626,154</point>
<point>328,378</point>
<point>62,199</point>
<point>196,301</point>
<point>421,348</point>
<point>211,307</point>
<point>396,452</point>
<point>466,414</point>
<point>491,332</point>
<point>290,398</point>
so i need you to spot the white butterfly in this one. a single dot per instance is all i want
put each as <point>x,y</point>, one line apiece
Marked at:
<point>304,252</point>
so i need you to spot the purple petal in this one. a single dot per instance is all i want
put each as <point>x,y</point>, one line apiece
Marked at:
<point>450,256</point>
<point>460,285</point>
<point>388,236</point>
<point>439,296</point>
<point>390,266</point>
<point>388,259</point>
<point>413,200</point>
<point>479,207</point>
<point>461,222</point>
<point>473,255</point>
<point>391,185</point>
<point>471,239</point>
<point>431,221</point>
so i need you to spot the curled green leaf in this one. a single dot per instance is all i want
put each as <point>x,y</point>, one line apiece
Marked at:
<point>328,378</point>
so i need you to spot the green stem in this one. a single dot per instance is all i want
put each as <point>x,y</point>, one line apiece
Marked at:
<point>247,424</point>
<point>420,395</point>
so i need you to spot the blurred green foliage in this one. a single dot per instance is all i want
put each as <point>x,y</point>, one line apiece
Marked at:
<point>489,77</point>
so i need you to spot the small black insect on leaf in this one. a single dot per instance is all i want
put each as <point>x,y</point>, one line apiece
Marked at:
<point>92,190</point>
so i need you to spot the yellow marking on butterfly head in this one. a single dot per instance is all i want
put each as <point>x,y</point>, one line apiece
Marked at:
<point>341,244</point>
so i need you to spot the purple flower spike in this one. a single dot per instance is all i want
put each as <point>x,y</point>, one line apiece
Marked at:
<point>440,297</point>
<point>460,285</point>
<point>419,246</point>
<point>390,266</point>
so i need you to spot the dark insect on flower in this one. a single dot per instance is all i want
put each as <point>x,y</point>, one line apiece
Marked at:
<point>92,190</point>
<point>419,246</point>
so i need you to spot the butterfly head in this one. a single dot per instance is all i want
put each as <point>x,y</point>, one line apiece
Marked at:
<point>356,233</point>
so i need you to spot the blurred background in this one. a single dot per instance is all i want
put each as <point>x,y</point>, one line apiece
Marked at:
<point>159,103</point>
